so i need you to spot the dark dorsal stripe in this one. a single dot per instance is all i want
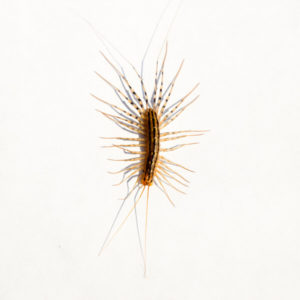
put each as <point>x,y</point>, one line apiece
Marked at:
<point>152,146</point>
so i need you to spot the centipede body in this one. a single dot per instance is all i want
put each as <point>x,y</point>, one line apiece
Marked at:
<point>152,136</point>
<point>146,117</point>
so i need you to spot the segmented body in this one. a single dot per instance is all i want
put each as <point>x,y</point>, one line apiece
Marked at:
<point>146,118</point>
<point>152,136</point>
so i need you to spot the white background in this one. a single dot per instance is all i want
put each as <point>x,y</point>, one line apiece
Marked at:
<point>235,235</point>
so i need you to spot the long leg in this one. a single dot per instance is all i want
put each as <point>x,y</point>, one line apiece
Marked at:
<point>105,42</point>
<point>129,151</point>
<point>162,79</point>
<point>176,147</point>
<point>168,182</point>
<point>128,159</point>
<point>177,114</point>
<point>127,177</point>
<point>133,123</point>
<point>155,84</point>
<point>181,131</point>
<point>162,158</point>
<point>137,98</point>
<point>163,169</point>
<point>142,85</point>
<point>116,218</point>
<point>138,230</point>
<point>164,41</point>
<point>157,77</point>
<point>174,172</point>
<point>131,127</point>
<point>125,219</point>
<point>164,190</point>
<point>137,73</point>
<point>131,145</point>
<point>117,108</point>
<point>128,168</point>
<point>170,92</point>
<point>123,139</point>
<point>179,137</point>
<point>146,225</point>
<point>153,33</point>
<point>178,104</point>
<point>117,90</point>
<point>121,119</point>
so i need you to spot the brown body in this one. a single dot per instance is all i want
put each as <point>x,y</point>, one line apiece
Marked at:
<point>148,119</point>
<point>152,136</point>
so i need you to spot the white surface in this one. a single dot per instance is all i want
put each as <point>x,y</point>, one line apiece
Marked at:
<point>235,235</point>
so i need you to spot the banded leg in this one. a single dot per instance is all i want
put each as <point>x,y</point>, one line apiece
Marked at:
<point>127,177</point>
<point>162,79</point>
<point>128,159</point>
<point>123,124</point>
<point>178,104</point>
<point>181,131</point>
<point>120,110</point>
<point>179,137</point>
<point>117,90</point>
<point>124,145</point>
<point>176,147</point>
<point>165,169</point>
<point>122,138</point>
<point>137,98</point>
<point>129,121</point>
<point>163,159</point>
<point>177,114</point>
<point>170,92</point>
<point>142,85</point>
<point>174,172</point>
<point>168,182</point>
<point>157,77</point>
<point>164,190</point>
<point>129,151</point>
<point>128,168</point>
